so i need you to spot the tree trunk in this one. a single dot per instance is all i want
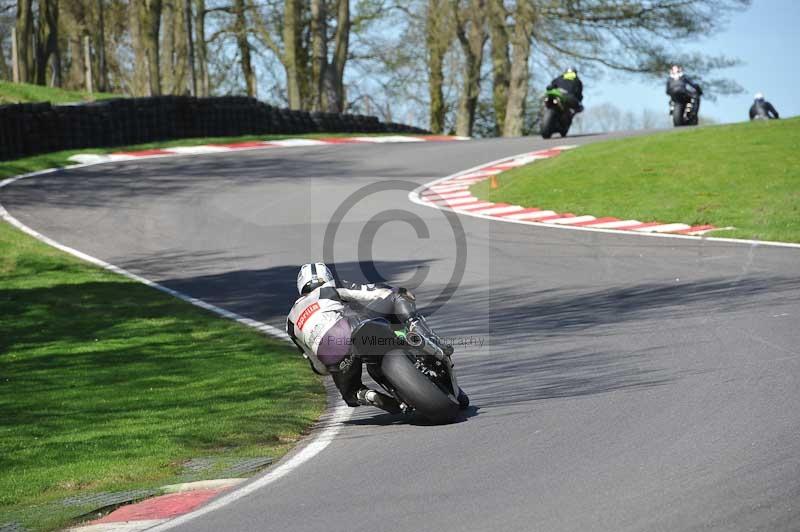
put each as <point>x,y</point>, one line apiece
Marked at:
<point>150,17</point>
<point>501,64</point>
<point>14,56</point>
<point>292,36</point>
<point>139,83</point>
<point>87,61</point>
<point>47,49</point>
<point>437,41</point>
<point>472,42</point>
<point>240,29</point>
<point>100,48</point>
<point>76,66</point>
<point>187,21</point>
<point>167,50</point>
<point>24,26</point>
<point>181,55</point>
<point>518,87</point>
<point>3,66</point>
<point>319,52</point>
<point>202,48</point>
<point>335,90</point>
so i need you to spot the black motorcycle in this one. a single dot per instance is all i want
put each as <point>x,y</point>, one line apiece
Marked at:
<point>411,368</point>
<point>683,108</point>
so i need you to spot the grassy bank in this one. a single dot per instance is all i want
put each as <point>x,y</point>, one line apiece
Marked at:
<point>26,93</point>
<point>743,175</point>
<point>108,385</point>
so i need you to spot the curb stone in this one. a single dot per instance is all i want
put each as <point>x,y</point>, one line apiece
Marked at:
<point>176,499</point>
<point>452,193</point>
<point>92,158</point>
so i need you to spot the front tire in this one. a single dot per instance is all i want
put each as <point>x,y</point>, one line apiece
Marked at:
<point>463,400</point>
<point>677,114</point>
<point>417,390</point>
<point>549,120</point>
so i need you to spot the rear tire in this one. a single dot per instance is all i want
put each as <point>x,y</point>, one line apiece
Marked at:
<point>417,390</point>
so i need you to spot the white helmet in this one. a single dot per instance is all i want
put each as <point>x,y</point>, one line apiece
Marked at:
<point>676,72</point>
<point>759,96</point>
<point>312,276</point>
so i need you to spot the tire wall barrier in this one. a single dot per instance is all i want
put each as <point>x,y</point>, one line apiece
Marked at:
<point>34,128</point>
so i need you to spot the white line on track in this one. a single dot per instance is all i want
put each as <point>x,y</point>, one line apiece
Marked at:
<point>339,414</point>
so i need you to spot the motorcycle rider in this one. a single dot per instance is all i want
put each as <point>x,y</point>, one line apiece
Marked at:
<point>570,83</point>
<point>681,88</point>
<point>762,109</point>
<point>321,323</point>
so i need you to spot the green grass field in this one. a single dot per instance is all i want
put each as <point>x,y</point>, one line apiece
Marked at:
<point>745,176</point>
<point>108,385</point>
<point>25,93</point>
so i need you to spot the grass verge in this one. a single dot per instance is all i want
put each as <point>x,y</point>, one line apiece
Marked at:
<point>26,93</point>
<point>61,158</point>
<point>743,175</point>
<point>108,385</point>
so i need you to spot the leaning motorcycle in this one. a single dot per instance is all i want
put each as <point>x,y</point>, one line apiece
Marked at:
<point>556,115</point>
<point>683,108</point>
<point>411,368</point>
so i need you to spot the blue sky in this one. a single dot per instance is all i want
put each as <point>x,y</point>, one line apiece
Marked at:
<point>766,38</point>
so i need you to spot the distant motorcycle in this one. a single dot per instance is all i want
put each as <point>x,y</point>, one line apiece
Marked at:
<point>411,368</point>
<point>683,108</point>
<point>556,115</point>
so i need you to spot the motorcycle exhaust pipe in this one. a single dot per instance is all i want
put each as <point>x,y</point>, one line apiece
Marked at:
<point>426,346</point>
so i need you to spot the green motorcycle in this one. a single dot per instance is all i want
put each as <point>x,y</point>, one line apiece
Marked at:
<point>556,114</point>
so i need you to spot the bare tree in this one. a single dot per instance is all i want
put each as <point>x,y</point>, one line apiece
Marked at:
<point>100,47</point>
<point>149,13</point>
<point>294,54</point>
<point>518,86</point>
<point>501,64</point>
<point>639,37</point>
<point>25,39</point>
<point>333,82</point>
<point>187,25</point>
<point>472,35</point>
<point>439,32</point>
<point>167,53</point>
<point>241,30</point>
<point>202,48</point>
<point>319,51</point>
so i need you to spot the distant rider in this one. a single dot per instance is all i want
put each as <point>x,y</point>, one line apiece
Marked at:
<point>321,324</point>
<point>762,109</point>
<point>570,83</point>
<point>681,88</point>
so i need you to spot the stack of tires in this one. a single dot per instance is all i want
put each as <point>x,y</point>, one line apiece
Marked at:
<point>29,129</point>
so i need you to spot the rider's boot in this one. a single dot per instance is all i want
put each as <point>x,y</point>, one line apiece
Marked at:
<point>369,397</point>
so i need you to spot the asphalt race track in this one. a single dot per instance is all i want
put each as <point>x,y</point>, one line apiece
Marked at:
<point>620,382</point>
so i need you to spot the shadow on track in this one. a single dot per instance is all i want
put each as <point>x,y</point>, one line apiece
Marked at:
<point>526,357</point>
<point>268,294</point>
